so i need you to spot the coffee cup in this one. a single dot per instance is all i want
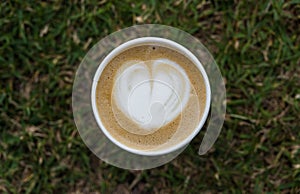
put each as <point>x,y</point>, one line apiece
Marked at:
<point>150,96</point>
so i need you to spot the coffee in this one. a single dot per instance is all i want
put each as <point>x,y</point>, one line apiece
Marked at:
<point>150,97</point>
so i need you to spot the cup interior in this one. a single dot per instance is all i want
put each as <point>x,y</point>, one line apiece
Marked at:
<point>161,42</point>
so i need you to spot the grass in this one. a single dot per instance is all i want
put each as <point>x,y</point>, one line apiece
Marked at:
<point>256,45</point>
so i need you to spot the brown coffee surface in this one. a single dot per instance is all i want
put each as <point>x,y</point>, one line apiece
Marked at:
<point>168,135</point>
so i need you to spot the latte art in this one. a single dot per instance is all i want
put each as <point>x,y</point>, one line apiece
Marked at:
<point>151,93</point>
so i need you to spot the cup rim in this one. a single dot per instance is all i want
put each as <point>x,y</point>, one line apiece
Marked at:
<point>172,45</point>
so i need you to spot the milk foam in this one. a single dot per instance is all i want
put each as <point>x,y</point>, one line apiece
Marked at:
<point>151,93</point>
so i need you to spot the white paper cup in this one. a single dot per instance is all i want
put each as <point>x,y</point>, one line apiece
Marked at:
<point>162,42</point>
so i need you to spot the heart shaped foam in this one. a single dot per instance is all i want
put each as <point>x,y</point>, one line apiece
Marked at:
<point>151,93</point>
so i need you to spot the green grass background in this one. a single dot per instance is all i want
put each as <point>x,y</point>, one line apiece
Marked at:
<point>255,43</point>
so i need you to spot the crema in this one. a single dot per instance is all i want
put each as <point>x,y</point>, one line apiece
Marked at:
<point>150,97</point>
